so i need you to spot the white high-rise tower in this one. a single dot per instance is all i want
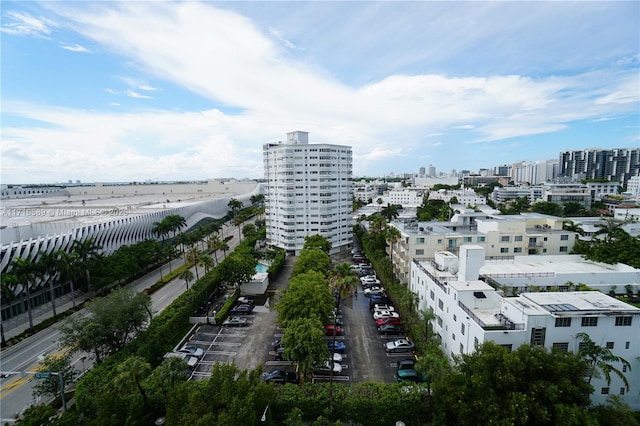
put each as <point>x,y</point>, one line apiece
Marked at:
<point>308,192</point>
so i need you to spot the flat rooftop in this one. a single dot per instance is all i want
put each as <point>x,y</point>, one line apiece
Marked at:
<point>566,264</point>
<point>579,301</point>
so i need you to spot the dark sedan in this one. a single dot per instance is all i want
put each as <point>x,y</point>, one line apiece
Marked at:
<point>337,346</point>
<point>390,329</point>
<point>241,309</point>
<point>281,376</point>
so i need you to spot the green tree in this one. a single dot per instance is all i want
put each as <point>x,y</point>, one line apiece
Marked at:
<point>166,377</point>
<point>249,230</point>
<point>206,262</point>
<point>113,321</point>
<point>192,257</point>
<point>426,316</point>
<point>391,211</point>
<point>600,359</point>
<point>130,374</point>
<point>237,269</point>
<point>573,209</point>
<point>60,364</point>
<point>572,227</point>
<point>257,199</point>
<point>379,201</point>
<point>175,222</point>
<point>303,340</point>
<point>495,386</point>
<point>308,296</point>
<point>392,235</point>
<point>187,277</point>
<point>48,265</point>
<point>312,259</point>
<point>317,241</point>
<point>27,273</point>
<point>611,229</point>
<point>235,206</point>
<point>87,252</point>
<point>546,207</point>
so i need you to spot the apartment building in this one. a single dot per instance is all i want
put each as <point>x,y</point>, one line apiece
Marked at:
<point>618,164</point>
<point>406,197</point>
<point>533,173</point>
<point>633,186</point>
<point>464,196</point>
<point>469,312</point>
<point>502,237</point>
<point>308,191</point>
<point>561,193</point>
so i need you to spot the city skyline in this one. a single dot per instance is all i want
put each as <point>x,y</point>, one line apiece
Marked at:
<point>135,91</point>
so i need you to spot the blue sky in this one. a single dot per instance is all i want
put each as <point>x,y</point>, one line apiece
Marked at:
<point>138,90</point>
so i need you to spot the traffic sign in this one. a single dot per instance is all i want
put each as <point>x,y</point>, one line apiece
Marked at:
<point>43,375</point>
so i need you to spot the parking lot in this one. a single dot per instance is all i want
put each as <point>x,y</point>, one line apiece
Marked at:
<point>249,346</point>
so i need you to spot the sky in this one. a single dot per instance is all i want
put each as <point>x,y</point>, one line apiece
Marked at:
<point>120,91</point>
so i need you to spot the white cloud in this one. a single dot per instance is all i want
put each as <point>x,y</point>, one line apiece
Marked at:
<point>24,24</point>
<point>133,94</point>
<point>75,48</point>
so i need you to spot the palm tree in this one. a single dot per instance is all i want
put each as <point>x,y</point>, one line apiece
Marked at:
<point>27,273</point>
<point>206,262</point>
<point>599,359</point>
<point>391,211</point>
<point>392,235</point>
<point>214,244</point>
<point>426,316</point>
<point>8,286</point>
<point>48,263</point>
<point>175,223</point>
<point>379,201</point>
<point>238,221</point>
<point>161,228</point>
<point>224,247</point>
<point>378,224</point>
<point>187,276</point>
<point>235,206</point>
<point>192,257</point>
<point>69,267</point>
<point>571,226</point>
<point>131,373</point>
<point>86,250</point>
<point>256,199</point>
<point>611,228</point>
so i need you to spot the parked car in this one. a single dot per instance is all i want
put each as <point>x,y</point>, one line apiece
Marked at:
<point>235,321</point>
<point>383,307</point>
<point>373,290</point>
<point>191,350</point>
<point>390,320</point>
<point>409,375</point>
<point>281,376</point>
<point>191,361</point>
<point>325,368</point>
<point>276,344</point>
<point>405,363</point>
<point>336,320</point>
<point>392,329</point>
<point>241,309</point>
<point>385,314</point>
<point>329,330</point>
<point>279,353</point>
<point>247,300</point>
<point>337,346</point>
<point>378,299</point>
<point>400,345</point>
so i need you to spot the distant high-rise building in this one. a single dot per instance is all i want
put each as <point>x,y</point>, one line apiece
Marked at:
<point>422,171</point>
<point>534,173</point>
<point>432,171</point>
<point>501,170</point>
<point>618,164</point>
<point>308,192</point>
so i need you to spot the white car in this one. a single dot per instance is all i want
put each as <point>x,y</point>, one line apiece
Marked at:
<point>373,290</point>
<point>369,279</point>
<point>383,308</point>
<point>191,361</point>
<point>325,368</point>
<point>235,321</point>
<point>191,350</point>
<point>385,314</point>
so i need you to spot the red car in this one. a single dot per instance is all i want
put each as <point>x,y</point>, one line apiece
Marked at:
<point>389,320</point>
<point>328,330</point>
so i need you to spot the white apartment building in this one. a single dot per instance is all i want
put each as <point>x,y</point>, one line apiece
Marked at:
<point>561,193</point>
<point>509,193</point>
<point>469,312</point>
<point>502,237</point>
<point>598,189</point>
<point>365,191</point>
<point>406,197</point>
<point>633,186</point>
<point>308,191</point>
<point>558,273</point>
<point>464,196</point>
<point>533,173</point>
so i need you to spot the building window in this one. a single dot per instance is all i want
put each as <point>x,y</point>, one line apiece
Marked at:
<point>508,347</point>
<point>462,329</point>
<point>517,249</point>
<point>455,318</point>
<point>604,391</point>
<point>581,346</point>
<point>563,322</point>
<point>504,249</point>
<point>589,321</point>
<point>461,348</point>
<point>440,322</point>
<point>624,368</point>
<point>564,237</point>
<point>517,238</point>
<point>610,345</point>
<point>467,240</point>
<point>440,241</point>
<point>453,336</point>
<point>564,249</point>
<point>432,295</point>
<point>475,341</point>
<point>419,252</point>
<point>622,390</point>
<point>480,239</point>
<point>505,239</point>
<point>420,240</point>
<point>626,345</point>
<point>440,304</point>
<point>623,321</point>
<point>561,346</point>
